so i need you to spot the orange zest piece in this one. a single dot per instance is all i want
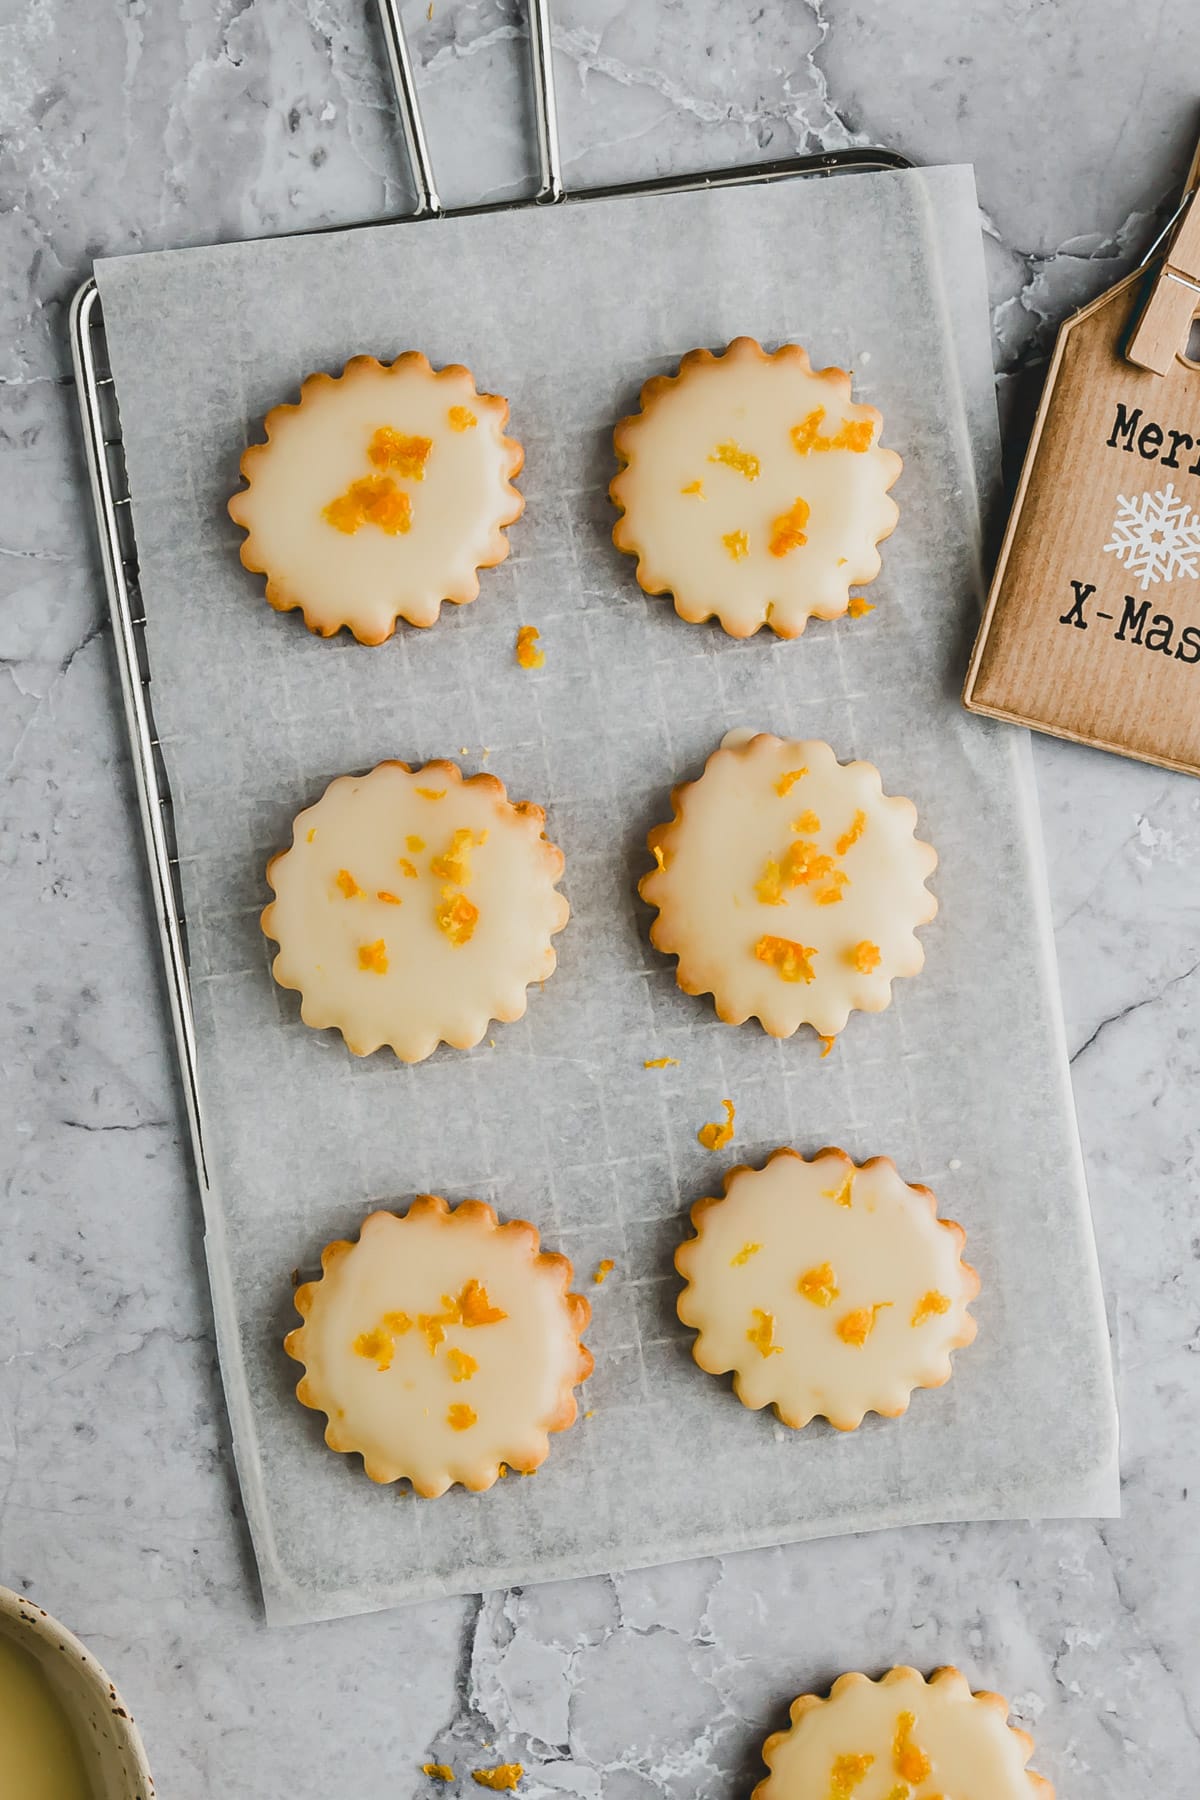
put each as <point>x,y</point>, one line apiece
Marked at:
<point>461,1417</point>
<point>438,1771</point>
<point>769,886</point>
<point>929,1305</point>
<point>375,500</point>
<point>805,863</point>
<point>858,825</point>
<point>909,1759</point>
<point>715,1136</point>
<point>787,531</point>
<point>859,608</point>
<point>418,843</point>
<point>807,821</point>
<point>429,794</point>
<point>819,1285</point>
<point>853,434</point>
<point>865,957</point>
<point>656,850</point>
<point>843,1194</point>
<point>734,457</point>
<point>373,957</point>
<point>390,449</point>
<point>433,1325</point>
<point>462,1366</point>
<point>407,868</point>
<point>312,832</point>
<point>454,863</point>
<point>737,544</point>
<point>831,895</point>
<point>788,959</point>
<point>847,1773</point>
<point>376,1346</point>
<point>527,654</point>
<point>475,1308</point>
<point>456,917</point>
<point>661,1062</point>
<point>603,1271</point>
<point>508,1774</point>
<point>788,780</point>
<point>854,1328</point>
<point>761,1334</point>
<point>461,418</point>
<point>743,1256</point>
<point>694,487</point>
<point>389,899</point>
<point>397,1323</point>
<point>348,885</point>
<point>827,1044</point>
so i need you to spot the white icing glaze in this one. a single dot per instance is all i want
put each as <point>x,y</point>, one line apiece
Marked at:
<point>783,1256</point>
<point>515,1374</point>
<point>727,827</point>
<point>369,577</point>
<point>752,401</point>
<point>433,988</point>
<point>925,1740</point>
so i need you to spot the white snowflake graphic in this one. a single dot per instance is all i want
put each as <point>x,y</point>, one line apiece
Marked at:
<point>1157,537</point>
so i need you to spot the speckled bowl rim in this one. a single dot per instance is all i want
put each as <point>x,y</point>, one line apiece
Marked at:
<point>23,1611</point>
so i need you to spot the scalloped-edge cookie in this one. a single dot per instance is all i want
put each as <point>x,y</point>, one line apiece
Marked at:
<point>901,1738</point>
<point>753,489</point>
<point>413,907</point>
<point>829,1290</point>
<point>789,885</point>
<point>441,1345</point>
<point>379,495</point>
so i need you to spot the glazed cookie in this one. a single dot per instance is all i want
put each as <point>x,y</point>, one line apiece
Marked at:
<point>830,1291</point>
<point>441,1345</point>
<point>413,907</point>
<point>379,496</point>
<point>789,885</point>
<point>753,489</point>
<point>901,1738</point>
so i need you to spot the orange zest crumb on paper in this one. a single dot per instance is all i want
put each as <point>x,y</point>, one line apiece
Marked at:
<point>407,868</point>
<point>694,487</point>
<point>744,1254</point>
<point>590,1414</point>
<point>734,457</point>
<point>527,653</point>
<point>852,434</point>
<point>461,418</point>
<point>865,957</point>
<point>375,500</point>
<point>842,1194</point>
<point>376,1346</point>
<point>389,899</point>
<point>737,544</point>
<point>348,885</point>
<point>661,1062</point>
<point>461,1417</point>
<point>788,780</point>
<point>854,1328</point>
<point>462,1366</point>
<point>819,1285</point>
<point>848,1772</point>
<point>807,821</point>
<point>715,1136</point>
<point>603,1271</point>
<point>787,531</point>
<point>827,1044</point>
<point>390,449</point>
<point>789,960</point>
<point>456,917</point>
<point>858,825</point>
<point>859,608</point>
<point>506,1775</point>
<point>762,1333</point>
<point>929,1306</point>
<point>373,957</point>
<point>437,1771</point>
<point>909,1759</point>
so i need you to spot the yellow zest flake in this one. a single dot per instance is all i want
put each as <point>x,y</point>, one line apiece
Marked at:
<point>743,1256</point>
<point>694,487</point>
<point>827,1044</point>
<point>769,887</point>
<point>865,957</point>
<point>454,863</point>
<point>461,418</point>
<point>417,844</point>
<point>929,1305</point>
<point>389,899</point>
<point>787,531</point>
<point>762,1332</point>
<point>375,500</point>
<point>475,1308</point>
<point>462,1366</point>
<point>348,885</point>
<point>819,1285</point>
<point>461,1417</point>
<point>847,1773</point>
<point>508,1774</point>
<point>437,1771</point>
<point>910,1761</point>
<point>858,825</point>
<point>429,794</point>
<point>373,957</point>
<point>789,959</point>
<point>456,916</point>
<point>737,544</point>
<point>853,434</point>
<point>603,1271</point>
<point>376,1346</point>
<point>855,1328</point>
<point>390,449</point>
<point>734,457</point>
<point>406,868</point>
<point>661,1062</point>
<point>859,608</point>
<point>714,1136</point>
<point>788,780</point>
<point>312,832</point>
<point>843,1194</point>
<point>527,655</point>
<point>807,821</point>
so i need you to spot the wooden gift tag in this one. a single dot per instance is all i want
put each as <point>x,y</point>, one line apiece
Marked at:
<point>1092,626</point>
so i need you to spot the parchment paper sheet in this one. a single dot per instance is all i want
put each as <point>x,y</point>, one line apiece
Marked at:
<point>963,1081</point>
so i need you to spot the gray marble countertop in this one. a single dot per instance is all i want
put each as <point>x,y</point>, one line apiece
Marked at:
<point>145,123</point>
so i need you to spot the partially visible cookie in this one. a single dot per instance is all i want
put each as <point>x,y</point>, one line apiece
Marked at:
<point>753,489</point>
<point>378,496</point>
<point>414,907</point>
<point>789,886</point>
<point>901,1738</point>
<point>441,1345</point>
<point>827,1289</point>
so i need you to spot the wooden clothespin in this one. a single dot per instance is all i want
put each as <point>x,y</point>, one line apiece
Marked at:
<point>1161,329</point>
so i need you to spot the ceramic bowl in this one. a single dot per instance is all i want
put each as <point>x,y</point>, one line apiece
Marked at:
<point>109,1741</point>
